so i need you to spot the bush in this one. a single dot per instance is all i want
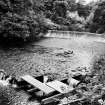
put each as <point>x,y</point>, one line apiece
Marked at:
<point>99,69</point>
<point>98,22</point>
<point>20,20</point>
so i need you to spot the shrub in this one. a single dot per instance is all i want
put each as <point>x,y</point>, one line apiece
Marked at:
<point>18,19</point>
<point>99,69</point>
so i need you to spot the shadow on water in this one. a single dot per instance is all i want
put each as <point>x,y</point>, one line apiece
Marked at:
<point>9,43</point>
<point>6,43</point>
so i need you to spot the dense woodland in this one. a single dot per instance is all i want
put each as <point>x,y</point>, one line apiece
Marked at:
<point>29,19</point>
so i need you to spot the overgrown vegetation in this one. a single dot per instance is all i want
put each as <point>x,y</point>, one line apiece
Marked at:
<point>28,19</point>
<point>19,19</point>
<point>95,88</point>
<point>98,22</point>
<point>99,69</point>
<point>91,91</point>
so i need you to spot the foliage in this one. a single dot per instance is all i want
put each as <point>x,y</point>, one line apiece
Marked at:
<point>14,22</point>
<point>72,5</point>
<point>28,18</point>
<point>20,18</point>
<point>60,8</point>
<point>99,69</point>
<point>97,24</point>
<point>83,10</point>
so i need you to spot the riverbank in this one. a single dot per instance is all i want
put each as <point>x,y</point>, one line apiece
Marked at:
<point>34,60</point>
<point>52,56</point>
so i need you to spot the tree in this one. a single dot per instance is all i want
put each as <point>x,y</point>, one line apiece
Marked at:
<point>83,10</point>
<point>60,8</point>
<point>98,23</point>
<point>19,19</point>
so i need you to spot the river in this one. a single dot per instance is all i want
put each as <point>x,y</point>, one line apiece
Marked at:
<point>55,56</point>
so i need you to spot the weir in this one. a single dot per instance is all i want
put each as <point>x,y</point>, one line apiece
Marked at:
<point>76,34</point>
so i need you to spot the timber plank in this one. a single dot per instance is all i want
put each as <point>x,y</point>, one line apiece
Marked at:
<point>52,99</point>
<point>60,86</point>
<point>36,83</point>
